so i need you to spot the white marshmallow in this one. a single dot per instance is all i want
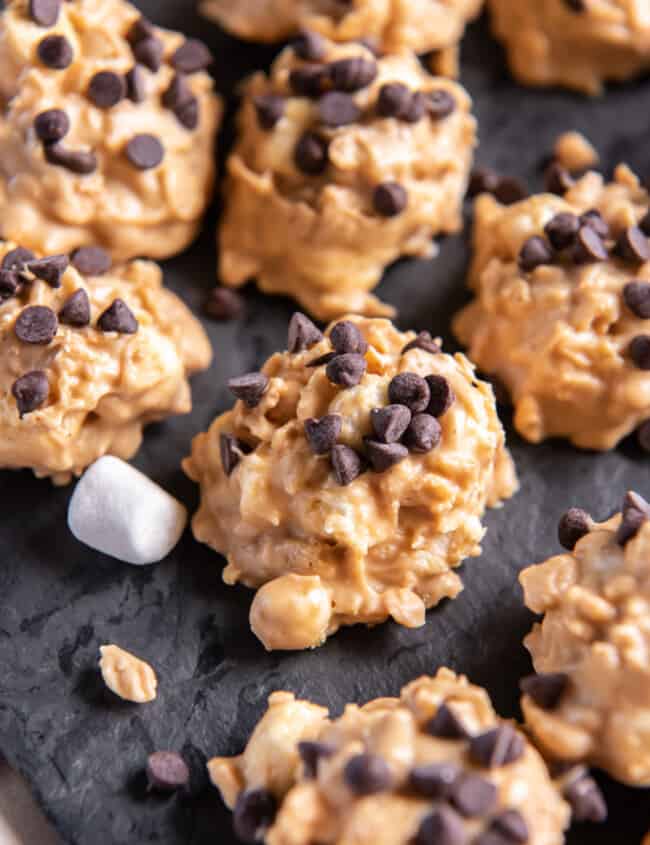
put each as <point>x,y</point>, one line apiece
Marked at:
<point>119,511</point>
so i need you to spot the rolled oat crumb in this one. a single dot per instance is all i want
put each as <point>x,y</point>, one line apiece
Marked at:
<point>575,152</point>
<point>126,675</point>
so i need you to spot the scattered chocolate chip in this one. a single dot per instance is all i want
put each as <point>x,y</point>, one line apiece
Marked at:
<point>141,29</point>
<point>223,304</point>
<point>534,253</point>
<point>51,125</point>
<point>589,246</point>
<point>167,771</point>
<point>573,526</point>
<point>270,110</point>
<point>50,269</point>
<point>510,190</point>
<point>510,827</point>
<point>440,104</point>
<point>303,334</point>
<point>595,220</point>
<point>389,199</point>
<point>145,151</point>
<point>55,52</point>
<point>411,390</point>
<point>639,350</point>
<point>309,46</point>
<point>249,388</point>
<point>367,774</point>
<point>442,396</point>
<point>345,336</point>
<point>496,747</point>
<point>136,86</point>
<point>119,318</point>
<point>393,100</point>
<point>390,423</point>
<point>346,464</point>
<point>36,324</point>
<point>44,12</point>
<point>191,57</point>
<point>346,370</point>
<point>446,725</point>
<point>338,109</point>
<point>321,360</point>
<point>352,74</point>
<point>311,155</point>
<point>17,259</point>
<point>441,827</point>
<point>322,433</point>
<point>30,391</point>
<point>562,229</point>
<point>482,180</point>
<point>9,283</point>
<point>545,689</point>
<point>473,795</point>
<point>253,814</point>
<point>586,800</point>
<point>76,161</point>
<point>632,245</point>
<point>106,89</point>
<point>423,434</point>
<point>149,52</point>
<point>423,341</point>
<point>636,296</point>
<point>76,309</point>
<point>311,753</point>
<point>91,260</point>
<point>231,451</point>
<point>434,780</point>
<point>642,432</point>
<point>635,512</point>
<point>309,80</point>
<point>557,179</point>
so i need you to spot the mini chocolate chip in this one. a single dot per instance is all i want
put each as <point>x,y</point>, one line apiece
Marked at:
<point>595,220</point>
<point>9,283</point>
<point>55,51</point>
<point>473,795</point>
<point>367,774</point>
<point>383,456</point>
<point>496,747</point>
<point>187,113</point>
<point>311,753</point>
<point>440,104</point>
<point>136,86</point>
<point>482,180</point>
<point>224,304</point>
<point>191,57</point>
<point>589,246</point>
<point>346,370</point>
<point>51,125</point>
<point>443,826</point>
<point>30,391</point>
<point>249,388</point>
<point>423,341</point>
<point>545,689</point>
<point>635,512</point>
<point>644,223</point>
<point>573,526</point>
<point>253,814</point>
<point>322,433</point>
<point>390,423</point>
<point>442,395</point>
<point>145,151</point>
<point>338,109</point>
<point>149,52</point>
<point>17,259</point>
<point>141,29</point>
<point>423,434</point>
<point>231,451</point>
<point>309,80</point>
<point>44,12</point>
<point>50,269</point>
<point>393,100</point>
<point>91,260</point>
<point>76,161</point>
<point>534,253</point>
<point>642,434</point>
<point>76,309</point>
<point>106,89</point>
<point>510,827</point>
<point>586,800</point>
<point>346,464</point>
<point>270,110</point>
<point>434,780</point>
<point>562,229</point>
<point>303,334</point>
<point>309,46</point>
<point>119,318</point>
<point>632,245</point>
<point>36,324</point>
<point>509,190</point>
<point>639,350</point>
<point>167,771</point>
<point>345,336</point>
<point>557,179</point>
<point>311,155</point>
<point>352,74</point>
<point>446,725</point>
<point>389,199</point>
<point>411,390</point>
<point>636,296</point>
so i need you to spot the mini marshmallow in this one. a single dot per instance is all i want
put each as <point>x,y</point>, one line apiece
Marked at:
<point>119,511</point>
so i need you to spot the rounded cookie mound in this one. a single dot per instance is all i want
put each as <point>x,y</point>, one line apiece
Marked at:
<point>349,479</point>
<point>591,698</point>
<point>435,765</point>
<point>562,308</point>
<point>106,131</point>
<point>88,360</point>
<point>344,163</point>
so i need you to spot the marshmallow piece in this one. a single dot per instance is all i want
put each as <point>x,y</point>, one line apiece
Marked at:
<point>119,511</point>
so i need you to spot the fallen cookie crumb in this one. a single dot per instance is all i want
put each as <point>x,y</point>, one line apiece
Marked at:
<point>575,152</point>
<point>126,675</point>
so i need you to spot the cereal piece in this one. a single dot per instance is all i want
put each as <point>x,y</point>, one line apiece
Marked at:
<point>126,675</point>
<point>575,152</point>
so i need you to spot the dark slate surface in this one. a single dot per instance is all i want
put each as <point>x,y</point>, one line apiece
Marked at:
<point>83,752</point>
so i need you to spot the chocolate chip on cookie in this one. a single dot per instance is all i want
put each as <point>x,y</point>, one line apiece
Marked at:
<point>81,162</point>
<point>473,796</point>
<point>107,89</point>
<point>322,433</point>
<point>393,99</point>
<point>423,341</point>
<point>496,747</point>
<point>632,245</point>
<point>557,179</point>
<point>76,309</point>
<point>586,800</point>
<point>509,190</point>
<point>231,451</point>
<point>440,104</point>
<point>595,220</point>
<point>562,229</point>
<point>573,526</point>
<point>345,336</point>
<point>423,434</point>
<point>55,51</point>
<point>443,826</point>
<point>311,155</point>
<point>636,296</point>
<point>44,12</point>
<point>634,513</point>
<point>253,814</point>
<point>390,423</point>
<point>145,151</point>
<point>270,109</point>
<point>309,46</point>
<point>119,318</point>
<point>51,125</point>
<point>338,109</point>
<point>149,52</point>
<point>167,771</point>
<point>303,334</point>
<point>352,74</point>
<point>91,260</point>
<point>482,180</point>
<point>367,774</point>
<point>434,780</point>
<point>446,725</point>
<point>639,350</point>
<point>249,388</point>
<point>322,360</point>
<point>10,281</point>
<point>383,456</point>
<point>346,370</point>
<point>192,56</point>
<point>389,199</point>
<point>17,258</point>
<point>507,828</point>
<point>311,753</point>
<point>36,324</point>
<point>309,80</point>
<point>50,269</point>
<point>545,689</point>
<point>30,391</point>
<point>535,252</point>
<point>141,29</point>
<point>136,85</point>
<point>442,395</point>
<point>589,246</point>
<point>411,390</point>
<point>346,464</point>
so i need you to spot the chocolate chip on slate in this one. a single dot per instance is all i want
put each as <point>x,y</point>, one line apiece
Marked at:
<point>636,296</point>
<point>30,391</point>
<point>167,771</point>
<point>442,395</point>
<point>367,774</point>
<point>141,29</point>
<point>446,725</point>
<point>223,304</point>
<point>352,74</point>
<point>50,269</point>
<point>36,324</point>
<point>338,109</point>
<point>642,432</point>
<point>136,86</point>
<point>311,154</point>
<point>17,259</point>
<point>473,795</point>
<point>309,46</point>
<point>9,283</point>
<point>423,341</point>
<point>346,370</point>
<point>632,245</point>
<point>434,780</point>
<point>557,179</point>
<point>145,151</point>
<point>496,747</point>
<point>635,512</point>
<point>586,800</point>
<point>443,826</point>
<point>311,753</point>
<point>55,51</point>
<point>91,260</point>
<point>423,434</point>
<point>562,229</point>
<point>440,104</point>
<point>393,99</point>
<point>534,253</point>
<point>309,80</point>
<point>573,526</point>
<point>303,334</point>
<point>76,309</point>
<point>482,180</point>
<point>253,814</point>
<point>249,388</point>
<point>191,56</point>
<point>119,318</point>
<point>346,464</point>
<point>510,190</point>
<point>322,433</point>
<point>345,336</point>
<point>595,220</point>
<point>390,423</point>
<point>639,350</point>
<point>270,110</point>
<point>411,390</point>
<point>389,199</point>
<point>589,246</point>
<point>231,451</point>
<point>187,113</point>
<point>106,89</point>
<point>44,12</point>
<point>149,52</point>
<point>545,689</point>
<point>321,360</point>
<point>510,827</point>
<point>383,456</point>
<point>80,162</point>
<point>51,125</point>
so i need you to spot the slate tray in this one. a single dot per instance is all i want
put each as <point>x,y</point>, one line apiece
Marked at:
<point>83,752</point>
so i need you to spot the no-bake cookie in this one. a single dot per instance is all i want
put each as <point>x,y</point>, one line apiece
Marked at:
<point>107,130</point>
<point>89,356</point>
<point>435,765</point>
<point>579,44</point>
<point>591,698</point>
<point>349,480</point>
<point>562,308</point>
<point>344,163</point>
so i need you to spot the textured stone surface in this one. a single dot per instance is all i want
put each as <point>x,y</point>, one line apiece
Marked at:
<point>84,753</point>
